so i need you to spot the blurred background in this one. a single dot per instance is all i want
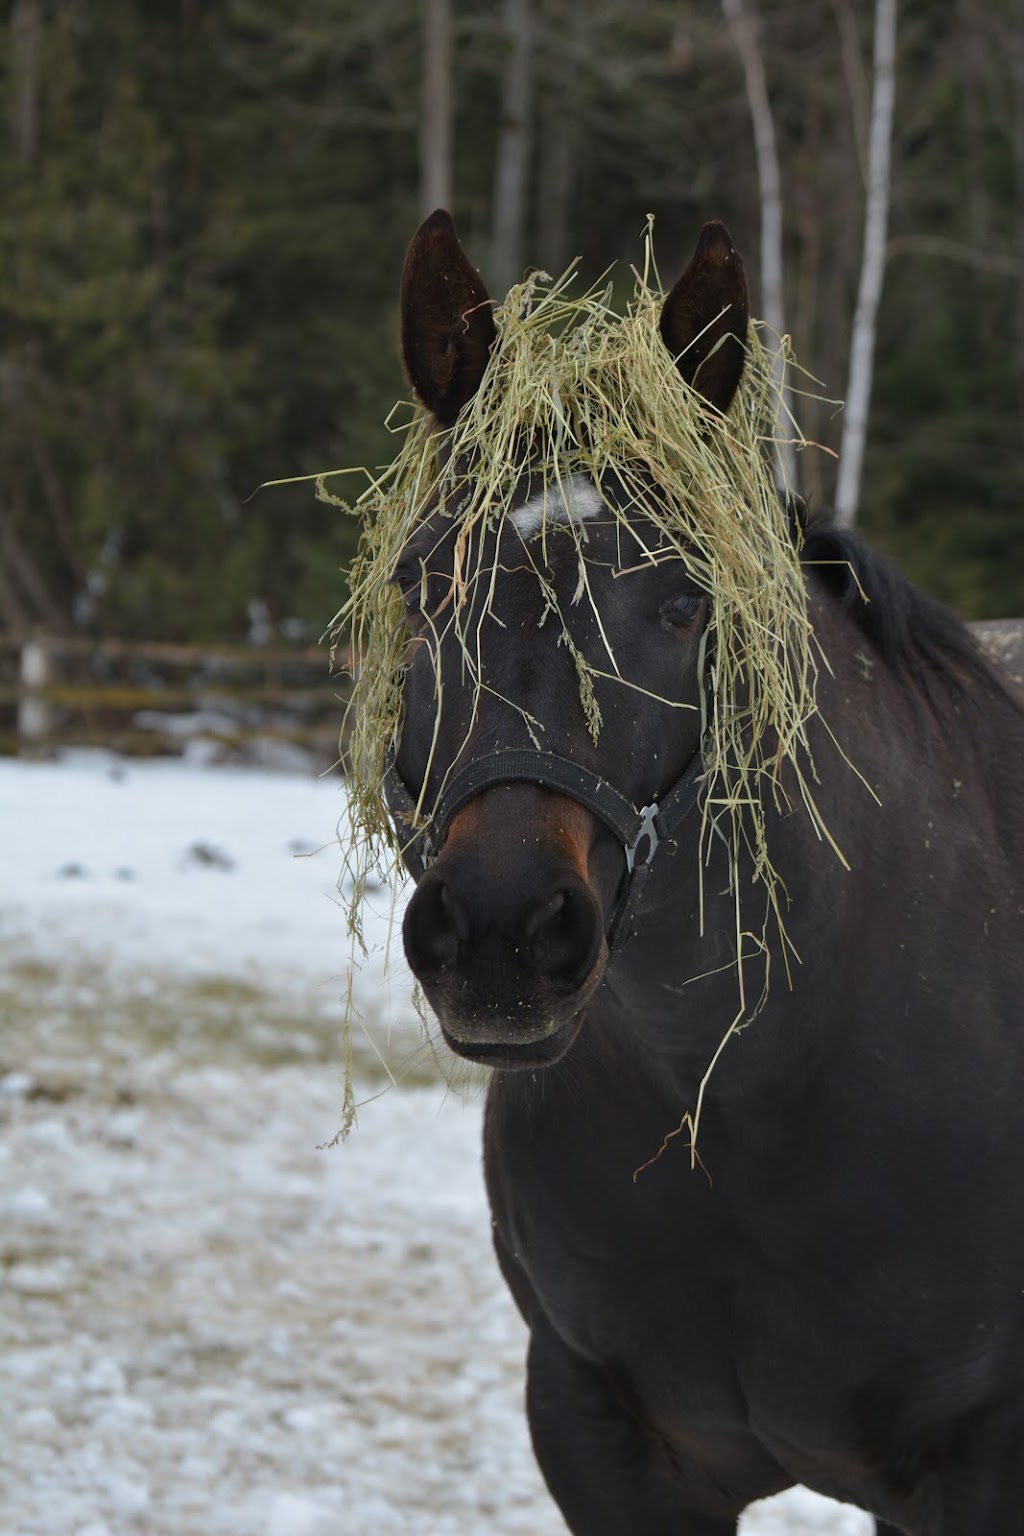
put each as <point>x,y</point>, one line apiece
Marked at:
<point>209,1325</point>
<point>205,207</point>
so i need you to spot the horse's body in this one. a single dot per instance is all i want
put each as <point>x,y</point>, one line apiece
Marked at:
<point>832,1290</point>
<point>840,1301</point>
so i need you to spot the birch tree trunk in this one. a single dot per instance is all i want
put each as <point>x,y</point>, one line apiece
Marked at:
<point>512,162</point>
<point>436,107</point>
<point>876,224</point>
<point>742,25</point>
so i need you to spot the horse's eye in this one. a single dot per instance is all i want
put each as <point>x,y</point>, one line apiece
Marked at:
<point>682,612</point>
<point>409,581</point>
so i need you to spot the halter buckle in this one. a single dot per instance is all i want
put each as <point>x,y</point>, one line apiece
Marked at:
<point>648,829</point>
<point>429,849</point>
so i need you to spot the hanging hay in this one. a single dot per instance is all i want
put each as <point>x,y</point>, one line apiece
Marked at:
<point>596,393</point>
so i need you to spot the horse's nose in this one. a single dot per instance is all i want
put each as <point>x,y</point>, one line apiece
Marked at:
<point>564,934</point>
<point>495,937</point>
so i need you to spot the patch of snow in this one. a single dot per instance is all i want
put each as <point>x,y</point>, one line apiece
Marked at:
<point>28,1204</point>
<point>210,1325</point>
<point>14,1085</point>
<point>180,832</point>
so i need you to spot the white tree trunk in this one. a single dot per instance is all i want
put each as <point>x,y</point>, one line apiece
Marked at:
<point>512,163</point>
<point>436,109</point>
<point>876,224</point>
<point>742,25</point>
<point>33,709</point>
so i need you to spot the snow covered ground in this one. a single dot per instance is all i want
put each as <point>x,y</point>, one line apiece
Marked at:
<point>212,1324</point>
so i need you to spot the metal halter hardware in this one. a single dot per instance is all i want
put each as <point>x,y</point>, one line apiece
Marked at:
<point>640,832</point>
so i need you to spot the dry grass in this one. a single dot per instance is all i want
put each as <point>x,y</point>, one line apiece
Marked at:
<point>593,392</point>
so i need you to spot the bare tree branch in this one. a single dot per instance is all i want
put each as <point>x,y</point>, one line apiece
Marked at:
<point>853,74</point>
<point>876,222</point>
<point>742,25</point>
<point>1003,263</point>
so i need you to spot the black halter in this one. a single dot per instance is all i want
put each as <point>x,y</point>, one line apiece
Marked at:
<point>641,832</point>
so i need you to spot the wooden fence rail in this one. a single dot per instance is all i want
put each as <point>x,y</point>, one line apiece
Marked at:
<point>147,698</point>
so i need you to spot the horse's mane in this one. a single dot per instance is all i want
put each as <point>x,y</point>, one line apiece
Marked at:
<point>917,638</point>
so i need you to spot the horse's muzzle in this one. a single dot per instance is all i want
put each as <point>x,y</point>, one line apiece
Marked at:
<point>506,937</point>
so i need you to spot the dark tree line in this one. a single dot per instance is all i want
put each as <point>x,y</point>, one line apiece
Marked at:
<point>205,207</point>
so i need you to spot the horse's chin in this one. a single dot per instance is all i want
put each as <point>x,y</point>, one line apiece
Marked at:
<point>513,1053</point>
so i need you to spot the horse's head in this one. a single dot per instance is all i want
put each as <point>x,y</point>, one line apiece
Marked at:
<point>556,680</point>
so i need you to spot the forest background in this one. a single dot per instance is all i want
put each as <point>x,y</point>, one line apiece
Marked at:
<point>205,207</point>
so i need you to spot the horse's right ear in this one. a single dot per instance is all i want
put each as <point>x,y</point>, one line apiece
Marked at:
<point>447,326</point>
<point>704,319</point>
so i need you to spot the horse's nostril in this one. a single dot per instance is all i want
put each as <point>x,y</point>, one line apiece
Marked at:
<point>564,934</point>
<point>453,913</point>
<point>490,937</point>
<point>434,923</point>
<point>548,913</point>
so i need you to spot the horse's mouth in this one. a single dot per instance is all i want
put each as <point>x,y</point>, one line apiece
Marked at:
<point>512,1055</point>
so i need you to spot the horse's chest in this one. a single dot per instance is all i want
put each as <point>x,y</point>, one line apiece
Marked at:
<point>667,1329</point>
<point>699,1323</point>
<point>627,1281</point>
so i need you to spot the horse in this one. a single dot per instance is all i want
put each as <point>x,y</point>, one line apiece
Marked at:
<point>823,1283</point>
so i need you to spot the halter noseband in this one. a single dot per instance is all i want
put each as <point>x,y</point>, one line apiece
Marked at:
<point>641,832</point>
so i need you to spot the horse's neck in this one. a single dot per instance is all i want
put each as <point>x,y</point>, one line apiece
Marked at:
<point>905,793</point>
<point>945,745</point>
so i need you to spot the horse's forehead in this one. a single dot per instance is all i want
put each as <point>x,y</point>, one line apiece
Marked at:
<point>559,502</point>
<point>541,500</point>
<point>538,500</point>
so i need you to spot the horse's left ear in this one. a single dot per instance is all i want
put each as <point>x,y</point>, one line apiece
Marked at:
<point>704,318</point>
<point>447,325</point>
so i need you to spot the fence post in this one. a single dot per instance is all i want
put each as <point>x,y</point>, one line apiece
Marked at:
<point>33,710</point>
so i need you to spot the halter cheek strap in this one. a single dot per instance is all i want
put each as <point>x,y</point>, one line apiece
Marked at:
<point>640,831</point>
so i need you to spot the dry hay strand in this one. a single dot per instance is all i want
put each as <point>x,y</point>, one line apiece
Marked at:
<point>595,392</point>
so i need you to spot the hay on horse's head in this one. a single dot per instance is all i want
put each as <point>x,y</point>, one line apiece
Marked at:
<point>596,393</point>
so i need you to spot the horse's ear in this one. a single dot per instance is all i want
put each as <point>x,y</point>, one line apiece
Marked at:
<point>704,319</point>
<point>447,326</point>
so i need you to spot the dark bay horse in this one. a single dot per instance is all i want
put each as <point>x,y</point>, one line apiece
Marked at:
<point>830,1289</point>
